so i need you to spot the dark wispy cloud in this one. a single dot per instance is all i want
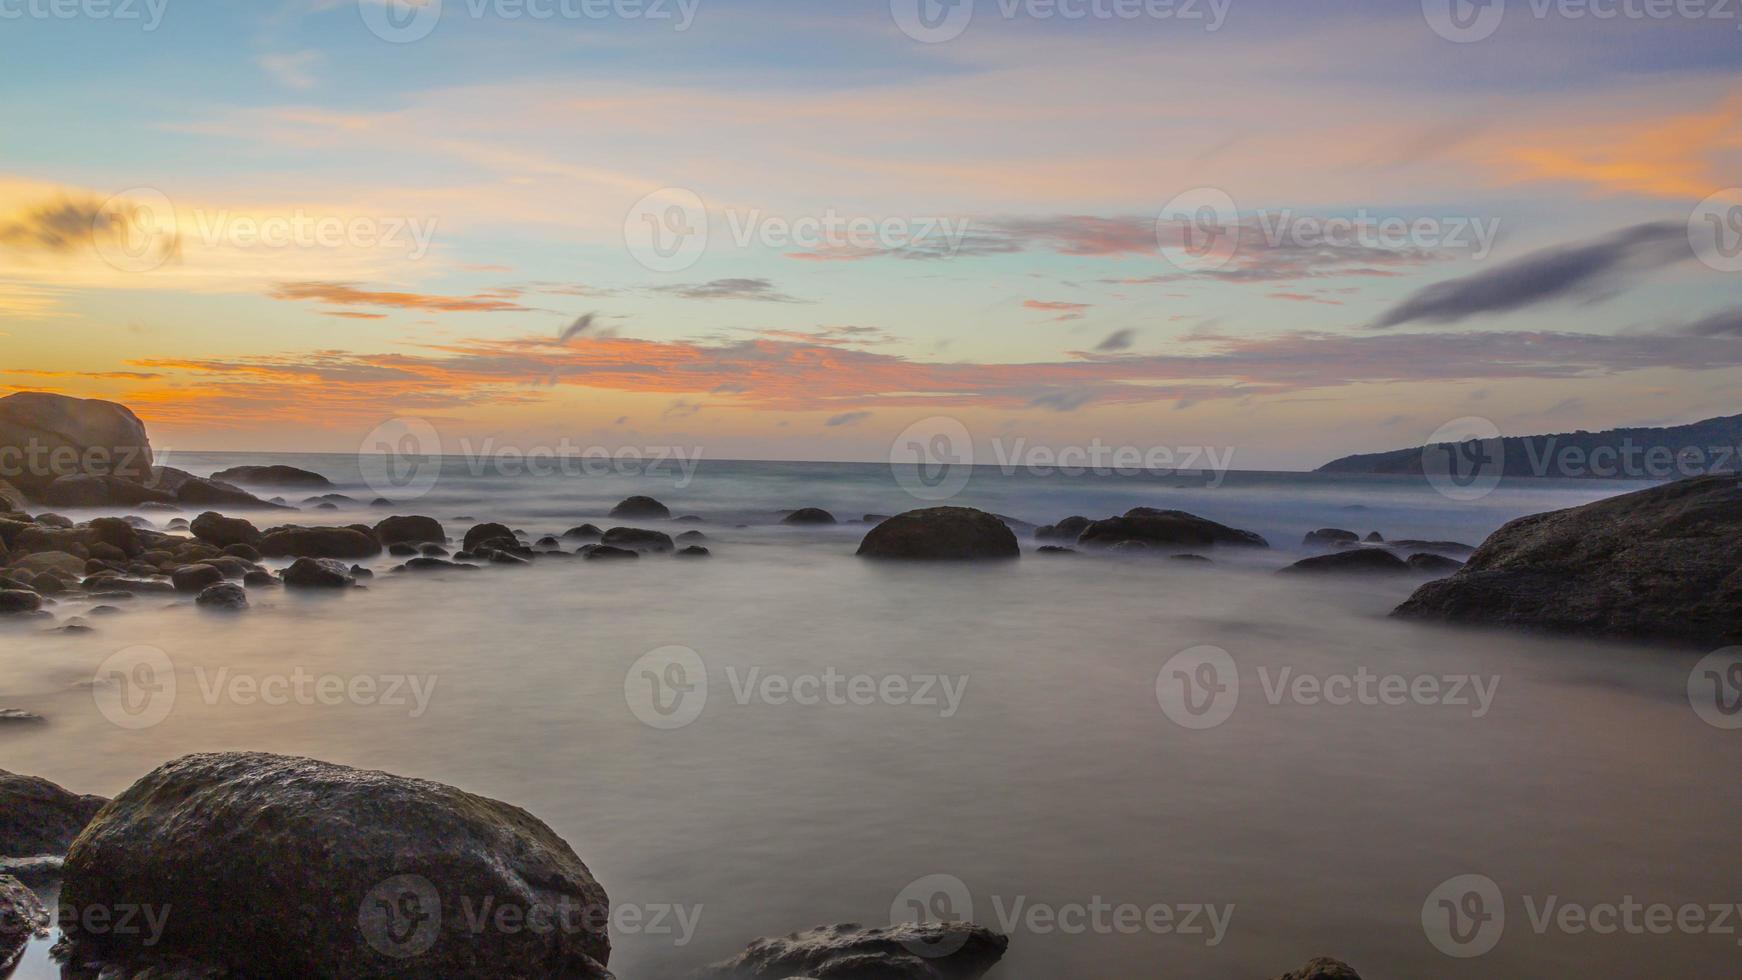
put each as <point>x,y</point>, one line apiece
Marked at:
<point>1117,340</point>
<point>1725,324</point>
<point>847,418</point>
<point>1586,269</point>
<point>753,289</point>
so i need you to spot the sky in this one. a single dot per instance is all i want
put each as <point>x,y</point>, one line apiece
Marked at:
<point>1290,230</point>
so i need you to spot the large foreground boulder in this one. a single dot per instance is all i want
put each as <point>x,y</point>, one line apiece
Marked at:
<point>941,533</point>
<point>1322,968</point>
<point>949,951</point>
<point>278,867</point>
<point>37,817</point>
<point>1166,529</point>
<point>271,476</point>
<point>59,436</point>
<point>1659,565</point>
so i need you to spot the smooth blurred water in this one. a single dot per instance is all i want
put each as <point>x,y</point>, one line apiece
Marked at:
<point>1059,780</point>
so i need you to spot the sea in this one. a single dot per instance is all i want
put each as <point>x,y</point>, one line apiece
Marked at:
<point>1133,766</point>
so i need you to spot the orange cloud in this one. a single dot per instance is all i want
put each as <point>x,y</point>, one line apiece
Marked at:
<point>347,294</point>
<point>1676,157</point>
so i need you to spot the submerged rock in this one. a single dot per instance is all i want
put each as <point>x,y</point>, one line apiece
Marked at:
<point>319,542</point>
<point>809,515</point>
<point>225,596</point>
<point>1657,565</point>
<point>318,573</point>
<point>195,578</point>
<point>586,532</point>
<point>22,918</point>
<point>695,551</point>
<point>272,476</point>
<point>1354,561</point>
<point>1068,529</point>
<point>1322,968</point>
<point>411,530</point>
<point>272,866</point>
<point>641,507</point>
<point>489,535</point>
<point>941,533</point>
<point>37,817</point>
<point>1330,537</point>
<point>1167,529</point>
<point>15,601</point>
<point>952,951</point>
<point>216,493</point>
<point>1434,564</point>
<point>605,552</point>
<point>638,539</point>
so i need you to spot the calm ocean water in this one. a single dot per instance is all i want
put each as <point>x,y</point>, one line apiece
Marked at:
<point>1016,762</point>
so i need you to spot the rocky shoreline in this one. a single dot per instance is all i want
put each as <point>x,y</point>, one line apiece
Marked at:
<point>257,865</point>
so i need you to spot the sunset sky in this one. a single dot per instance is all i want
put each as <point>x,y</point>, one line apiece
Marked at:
<point>464,200</point>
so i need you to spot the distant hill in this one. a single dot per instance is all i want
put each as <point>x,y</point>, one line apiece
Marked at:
<point>1711,446</point>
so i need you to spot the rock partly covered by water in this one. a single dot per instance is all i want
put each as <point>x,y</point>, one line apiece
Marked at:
<point>22,918</point>
<point>318,573</point>
<point>60,436</point>
<point>1658,565</point>
<point>37,817</point>
<point>271,866</point>
<point>952,951</point>
<point>809,515</point>
<point>941,533</point>
<point>1355,561</point>
<point>641,507</point>
<point>1166,529</point>
<point>411,530</point>
<point>319,542</point>
<point>1322,968</point>
<point>220,531</point>
<point>271,476</point>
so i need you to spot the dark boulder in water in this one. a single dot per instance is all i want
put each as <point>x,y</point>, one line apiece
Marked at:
<point>427,564</point>
<point>1167,529</point>
<point>37,817</point>
<point>492,535</point>
<point>318,573</point>
<point>1354,561</point>
<point>195,578</point>
<point>271,476</point>
<point>22,919</point>
<point>943,534</point>
<point>16,601</point>
<point>1330,537</point>
<point>1054,549</point>
<point>225,597</point>
<point>86,490</point>
<point>641,507</point>
<point>638,539</point>
<point>605,552</point>
<point>944,951</point>
<point>586,532</point>
<point>319,542</point>
<point>695,551</point>
<point>1437,547</point>
<point>809,515</point>
<point>216,493</point>
<point>1322,968</point>
<point>260,579</point>
<point>280,867</point>
<point>411,530</point>
<point>1658,565</point>
<point>1374,537</point>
